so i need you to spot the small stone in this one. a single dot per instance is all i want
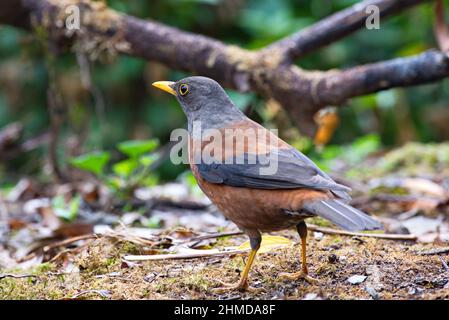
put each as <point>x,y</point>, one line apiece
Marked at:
<point>439,283</point>
<point>310,296</point>
<point>414,291</point>
<point>356,279</point>
<point>318,235</point>
<point>150,277</point>
<point>421,281</point>
<point>332,258</point>
<point>372,292</point>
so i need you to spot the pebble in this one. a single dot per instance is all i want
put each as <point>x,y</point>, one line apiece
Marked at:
<point>332,258</point>
<point>318,235</point>
<point>356,279</point>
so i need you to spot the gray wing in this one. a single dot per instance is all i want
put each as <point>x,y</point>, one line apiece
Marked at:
<point>294,170</point>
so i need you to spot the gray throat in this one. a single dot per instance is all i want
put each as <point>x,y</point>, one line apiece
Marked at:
<point>215,119</point>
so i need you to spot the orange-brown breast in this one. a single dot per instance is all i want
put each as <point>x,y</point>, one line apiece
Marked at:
<point>249,208</point>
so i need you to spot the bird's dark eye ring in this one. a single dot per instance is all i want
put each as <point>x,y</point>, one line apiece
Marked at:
<point>183,89</point>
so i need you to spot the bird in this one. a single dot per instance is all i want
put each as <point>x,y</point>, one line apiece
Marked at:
<point>240,182</point>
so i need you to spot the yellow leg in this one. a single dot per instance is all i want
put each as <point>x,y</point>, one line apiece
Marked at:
<point>242,285</point>
<point>243,282</point>
<point>304,256</point>
<point>304,273</point>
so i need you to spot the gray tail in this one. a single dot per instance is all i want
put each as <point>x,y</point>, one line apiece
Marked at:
<point>342,215</point>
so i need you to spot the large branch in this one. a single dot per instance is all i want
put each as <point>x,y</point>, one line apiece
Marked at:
<point>265,71</point>
<point>334,87</point>
<point>337,26</point>
<point>14,13</point>
<point>432,65</point>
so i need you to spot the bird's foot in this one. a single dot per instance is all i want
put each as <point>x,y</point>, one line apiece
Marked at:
<point>239,286</point>
<point>297,276</point>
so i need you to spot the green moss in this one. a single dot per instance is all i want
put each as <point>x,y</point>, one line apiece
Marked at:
<point>128,248</point>
<point>197,282</point>
<point>43,268</point>
<point>337,240</point>
<point>319,222</point>
<point>388,190</point>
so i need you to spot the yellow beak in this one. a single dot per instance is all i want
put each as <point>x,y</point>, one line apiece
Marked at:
<point>166,86</point>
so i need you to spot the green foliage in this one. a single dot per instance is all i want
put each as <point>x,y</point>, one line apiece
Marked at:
<point>189,180</point>
<point>351,154</point>
<point>93,162</point>
<point>152,222</point>
<point>127,174</point>
<point>416,159</point>
<point>135,148</point>
<point>67,211</point>
<point>125,168</point>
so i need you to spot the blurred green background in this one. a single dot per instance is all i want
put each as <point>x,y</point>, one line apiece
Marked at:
<point>125,106</point>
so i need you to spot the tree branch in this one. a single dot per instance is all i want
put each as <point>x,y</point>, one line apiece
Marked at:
<point>266,71</point>
<point>179,49</point>
<point>14,13</point>
<point>430,66</point>
<point>337,26</point>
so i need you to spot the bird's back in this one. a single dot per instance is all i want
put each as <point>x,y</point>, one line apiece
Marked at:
<point>251,208</point>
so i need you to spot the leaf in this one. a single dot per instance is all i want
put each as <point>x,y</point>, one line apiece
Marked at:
<point>93,162</point>
<point>66,211</point>
<point>269,243</point>
<point>362,147</point>
<point>125,168</point>
<point>115,183</point>
<point>135,148</point>
<point>148,160</point>
<point>152,223</point>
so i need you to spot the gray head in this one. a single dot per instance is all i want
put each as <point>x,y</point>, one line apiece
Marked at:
<point>202,99</point>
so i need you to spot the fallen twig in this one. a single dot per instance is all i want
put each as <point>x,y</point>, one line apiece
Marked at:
<point>207,253</point>
<point>68,241</point>
<point>125,235</point>
<point>433,251</point>
<point>196,240</point>
<point>16,276</point>
<point>361,234</point>
<point>445,266</point>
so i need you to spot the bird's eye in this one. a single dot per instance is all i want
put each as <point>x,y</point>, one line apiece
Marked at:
<point>183,89</point>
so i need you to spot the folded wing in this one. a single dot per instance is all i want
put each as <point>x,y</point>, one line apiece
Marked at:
<point>290,169</point>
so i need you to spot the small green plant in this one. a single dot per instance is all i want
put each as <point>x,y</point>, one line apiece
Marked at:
<point>128,174</point>
<point>351,154</point>
<point>189,180</point>
<point>67,211</point>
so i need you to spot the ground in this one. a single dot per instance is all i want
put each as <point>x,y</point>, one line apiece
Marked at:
<point>394,270</point>
<point>127,252</point>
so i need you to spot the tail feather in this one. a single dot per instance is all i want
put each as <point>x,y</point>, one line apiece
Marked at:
<point>342,215</point>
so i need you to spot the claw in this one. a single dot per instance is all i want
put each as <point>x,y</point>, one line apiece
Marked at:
<point>299,275</point>
<point>239,286</point>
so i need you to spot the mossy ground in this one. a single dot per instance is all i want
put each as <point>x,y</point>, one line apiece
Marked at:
<point>399,273</point>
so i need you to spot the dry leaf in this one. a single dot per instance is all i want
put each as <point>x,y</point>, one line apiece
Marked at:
<point>269,243</point>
